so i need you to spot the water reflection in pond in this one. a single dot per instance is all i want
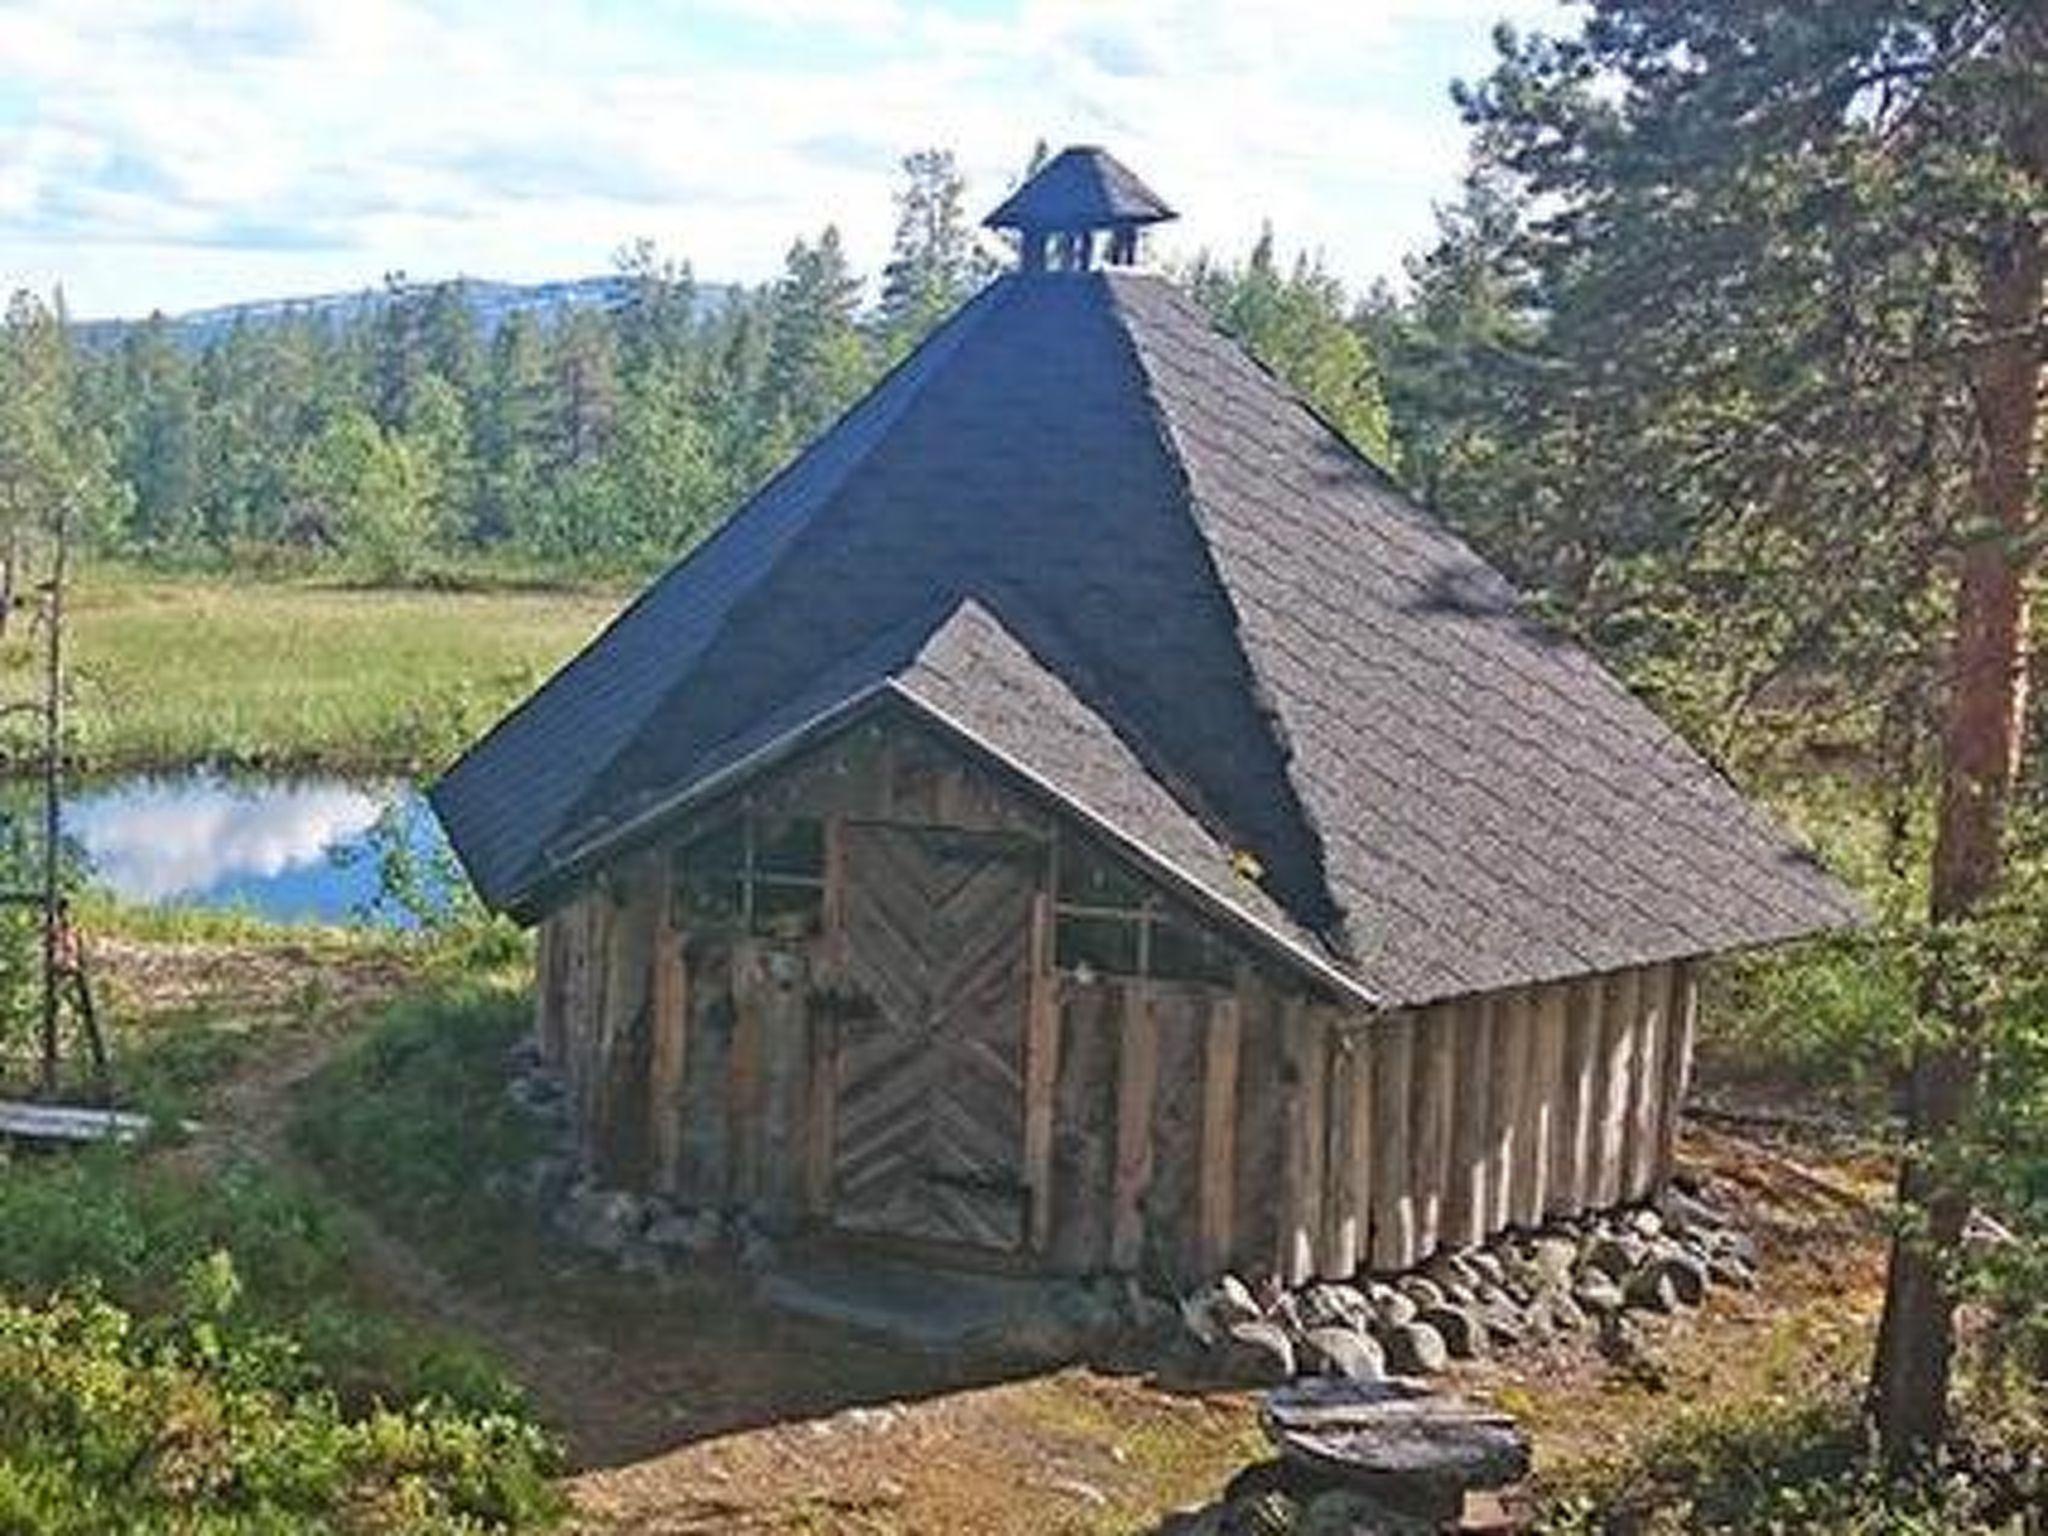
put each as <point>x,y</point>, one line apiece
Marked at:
<point>305,850</point>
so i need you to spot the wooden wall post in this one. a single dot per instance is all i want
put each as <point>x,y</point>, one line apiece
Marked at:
<point>1437,1042</point>
<point>1467,1220</point>
<point>668,1001</point>
<point>743,1069</point>
<point>1301,1183</point>
<point>1393,1192</point>
<point>1619,995</point>
<point>1511,1034</point>
<point>1685,1003</point>
<point>1646,1080</point>
<point>1547,1091</point>
<point>1041,1072</point>
<point>1137,1086</point>
<point>1578,1100</point>
<point>1347,1165</point>
<point>1215,1202</point>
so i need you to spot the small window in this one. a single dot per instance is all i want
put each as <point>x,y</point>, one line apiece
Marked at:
<point>1182,952</point>
<point>765,875</point>
<point>1108,920</point>
<point>1106,944</point>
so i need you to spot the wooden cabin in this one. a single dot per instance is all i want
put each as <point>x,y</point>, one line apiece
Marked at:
<point>1081,816</point>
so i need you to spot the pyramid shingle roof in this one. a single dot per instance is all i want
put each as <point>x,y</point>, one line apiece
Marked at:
<point>1086,531</point>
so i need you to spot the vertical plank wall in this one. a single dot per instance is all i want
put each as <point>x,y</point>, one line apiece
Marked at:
<point>1171,1129</point>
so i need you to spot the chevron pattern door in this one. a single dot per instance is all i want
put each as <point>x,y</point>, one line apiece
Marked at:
<point>929,1126</point>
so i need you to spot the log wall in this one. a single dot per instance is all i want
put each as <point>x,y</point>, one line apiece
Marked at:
<point>1171,1129</point>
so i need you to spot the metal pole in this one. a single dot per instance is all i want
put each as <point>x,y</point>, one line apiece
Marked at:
<point>53,739</point>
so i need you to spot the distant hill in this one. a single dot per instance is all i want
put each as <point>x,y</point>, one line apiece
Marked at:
<point>491,302</point>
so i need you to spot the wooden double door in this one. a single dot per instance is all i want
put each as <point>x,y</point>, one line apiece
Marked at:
<point>929,1120</point>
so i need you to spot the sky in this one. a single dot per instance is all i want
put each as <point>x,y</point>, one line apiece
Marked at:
<point>157,156</point>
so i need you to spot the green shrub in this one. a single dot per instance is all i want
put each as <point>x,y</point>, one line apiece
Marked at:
<point>134,1229</point>
<point>413,1120</point>
<point>188,1424</point>
<point>1800,1465</point>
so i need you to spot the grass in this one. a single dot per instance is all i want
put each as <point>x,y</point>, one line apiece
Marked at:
<point>169,670</point>
<point>412,1121</point>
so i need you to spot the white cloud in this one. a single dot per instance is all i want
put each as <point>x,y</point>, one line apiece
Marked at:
<point>166,155</point>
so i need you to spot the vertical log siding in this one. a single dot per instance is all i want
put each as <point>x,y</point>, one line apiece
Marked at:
<point>1170,1129</point>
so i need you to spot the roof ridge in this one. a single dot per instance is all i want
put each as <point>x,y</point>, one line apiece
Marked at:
<point>1333,929</point>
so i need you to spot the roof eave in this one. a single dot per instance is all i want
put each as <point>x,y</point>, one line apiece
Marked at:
<point>567,863</point>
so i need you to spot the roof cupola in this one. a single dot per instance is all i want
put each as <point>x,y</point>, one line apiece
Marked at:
<point>1081,207</point>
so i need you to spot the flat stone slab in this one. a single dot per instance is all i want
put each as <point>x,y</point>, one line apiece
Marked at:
<point>931,1308</point>
<point>1395,1439</point>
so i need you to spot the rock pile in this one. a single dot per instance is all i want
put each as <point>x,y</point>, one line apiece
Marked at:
<point>1564,1278</point>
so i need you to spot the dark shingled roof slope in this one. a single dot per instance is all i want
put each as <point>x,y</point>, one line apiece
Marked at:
<point>1080,188</point>
<point>1086,530</point>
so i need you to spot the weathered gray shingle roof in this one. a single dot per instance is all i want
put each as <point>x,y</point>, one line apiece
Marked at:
<point>1197,616</point>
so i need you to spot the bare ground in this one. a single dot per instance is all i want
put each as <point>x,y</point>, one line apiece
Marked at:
<point>692,1409</point>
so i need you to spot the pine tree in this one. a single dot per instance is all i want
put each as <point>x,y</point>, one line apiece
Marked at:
<point>1790,260</point>
<point>816,361</point>
<point>934,263</point>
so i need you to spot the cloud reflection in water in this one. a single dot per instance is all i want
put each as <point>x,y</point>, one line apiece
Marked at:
<point>179,840</point>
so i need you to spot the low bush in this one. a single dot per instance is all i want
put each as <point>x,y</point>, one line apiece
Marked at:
<point>413,1121</point>
<point>189,1423</point>
<point>1798,1465</point>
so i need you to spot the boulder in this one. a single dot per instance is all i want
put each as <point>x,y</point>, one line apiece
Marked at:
<point>1421,1290</point>
<point>1412,1349</point>
<point>1486,1267</point>
<point>1253,1355</point>
<point>1351,1512</point>
<point>1734,1244</point>
<point>1614,1254</point>
<point>1553,1257</point>
<point>1688,1278</point>
<point>1391,1306</point>
<point>1724,1270</point>
<point>1334,1306</point>
<point>1597,1293</point>
<point>1650,1288</point>
<point>1646,1223</point>
<point>1341,1352</point>
<point>1210,1312</point>
<point>1688,1213</point>
<point>1464,1335</point>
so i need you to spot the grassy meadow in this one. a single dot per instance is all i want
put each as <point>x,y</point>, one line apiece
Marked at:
<point>169,670</point>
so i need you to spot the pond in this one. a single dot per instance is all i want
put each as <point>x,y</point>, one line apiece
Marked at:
<point>305,850</point>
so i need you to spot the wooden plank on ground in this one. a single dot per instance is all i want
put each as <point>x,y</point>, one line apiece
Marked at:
<point>29,1121</point>
<point>1137,1079</point>
<point>1216,1203</point>
<point>1393,1185</point>
<point>1685,1004</point>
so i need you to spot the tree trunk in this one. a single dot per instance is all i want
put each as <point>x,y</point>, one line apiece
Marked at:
<point>1982,733</point>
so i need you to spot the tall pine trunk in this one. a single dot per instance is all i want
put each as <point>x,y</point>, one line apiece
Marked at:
<point>1983,729</point>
